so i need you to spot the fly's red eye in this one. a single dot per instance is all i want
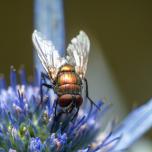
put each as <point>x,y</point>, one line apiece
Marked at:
<point>65,100</point>
<point>79,100</point>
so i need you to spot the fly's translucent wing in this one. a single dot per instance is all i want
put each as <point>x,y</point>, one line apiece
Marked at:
<point>78,52</point>
<point>48,55</point>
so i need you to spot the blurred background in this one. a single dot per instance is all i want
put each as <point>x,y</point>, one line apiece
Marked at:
<point>120,61</point>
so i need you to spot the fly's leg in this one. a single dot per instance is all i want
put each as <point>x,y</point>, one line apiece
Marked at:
<point>41,94</point>
<point>44,83</point>
<point>72,107</point>
<point>87,95</point>
<point>57,118</point>
<point>44,76</point>
<point>56,121</point>
<point>43,79</point>
<point>55,112</point>
<point>41,89</point>
<point>57,115</point>
<point>75,115</point>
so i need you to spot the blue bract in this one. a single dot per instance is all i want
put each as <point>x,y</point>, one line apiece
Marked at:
<point>26,125</point>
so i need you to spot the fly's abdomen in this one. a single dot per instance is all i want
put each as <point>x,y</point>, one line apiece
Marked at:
<point>68,83</point>
<point>69,89</point>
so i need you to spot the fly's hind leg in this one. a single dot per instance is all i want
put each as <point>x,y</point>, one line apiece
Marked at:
<point>57,115</point>
<point>55,110</point>
<point>75,115</point>
<point>87,95</point>
<point>74,105</point>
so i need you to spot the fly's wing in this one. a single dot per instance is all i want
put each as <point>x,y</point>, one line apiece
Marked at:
<point>78,52</point>
<point>48,55</point>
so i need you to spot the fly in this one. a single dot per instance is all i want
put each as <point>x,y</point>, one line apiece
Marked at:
<point>66,74</point>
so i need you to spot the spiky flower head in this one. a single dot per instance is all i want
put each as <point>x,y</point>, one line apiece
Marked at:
<point>28,125</point>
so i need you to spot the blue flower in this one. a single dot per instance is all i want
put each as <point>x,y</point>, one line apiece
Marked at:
<point>35,145</point>
<point>26,124</point>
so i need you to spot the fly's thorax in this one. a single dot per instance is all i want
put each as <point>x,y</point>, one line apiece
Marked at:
<point>67,68</point>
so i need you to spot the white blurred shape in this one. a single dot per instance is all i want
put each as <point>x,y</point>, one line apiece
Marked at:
<point>102,82</point>
<point>142,146</point>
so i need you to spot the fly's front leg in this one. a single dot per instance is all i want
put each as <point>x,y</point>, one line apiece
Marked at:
<point>41,89</point>
<point>44,83</point>
<point>44,77</point>
<point>41,93</point>
<point>87,95</point>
